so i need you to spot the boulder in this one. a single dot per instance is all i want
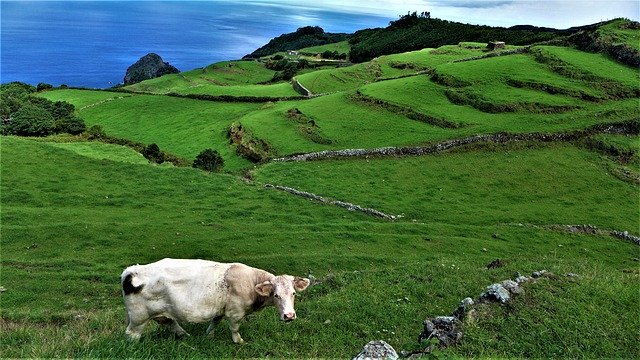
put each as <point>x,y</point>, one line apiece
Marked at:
<point>444,328</point>
<point>512,286</point>
<point>497,293</point>
<point>377,350</point>
<point>148,67</point>
<point>461,312</point>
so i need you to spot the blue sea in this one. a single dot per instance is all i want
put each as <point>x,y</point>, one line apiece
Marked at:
<point>91,43</point>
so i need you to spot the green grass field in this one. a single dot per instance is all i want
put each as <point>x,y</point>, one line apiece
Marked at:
<point>75,213</point>
<point>70,234</point>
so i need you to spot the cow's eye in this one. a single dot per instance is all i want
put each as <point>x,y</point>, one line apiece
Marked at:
<point>294,293</point>
<point>277,296</point>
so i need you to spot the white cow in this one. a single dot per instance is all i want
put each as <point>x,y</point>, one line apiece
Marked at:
<point>176,290</point>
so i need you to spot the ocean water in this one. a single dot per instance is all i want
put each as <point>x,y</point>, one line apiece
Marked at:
<point>91,43</point>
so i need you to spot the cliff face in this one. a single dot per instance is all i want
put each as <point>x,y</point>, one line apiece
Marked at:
<point>148,67</point>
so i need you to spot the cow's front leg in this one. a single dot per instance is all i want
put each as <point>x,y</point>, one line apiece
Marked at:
<point>234,326</point>
<point>213,324</point>
<point>178,330</point>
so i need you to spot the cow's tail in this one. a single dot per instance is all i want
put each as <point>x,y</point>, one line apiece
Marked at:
<point>127,284</point>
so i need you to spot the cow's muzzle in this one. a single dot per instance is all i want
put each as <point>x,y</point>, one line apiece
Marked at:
<point>289,317</point>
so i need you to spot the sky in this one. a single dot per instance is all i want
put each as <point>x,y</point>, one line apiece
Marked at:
<point>560,14</point>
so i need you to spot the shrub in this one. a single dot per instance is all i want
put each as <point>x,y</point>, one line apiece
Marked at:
<point>95,132</point>
<point>153,154</point>
<point>70,124</point>
<point>209,160</point>
<point>43,86</point>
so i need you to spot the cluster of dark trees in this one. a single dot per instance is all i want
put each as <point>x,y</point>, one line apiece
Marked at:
<point>418,31</point>
<point>333,55</point>
<point>285,68</point>
<point>27,115</point>
<point>303,37</point>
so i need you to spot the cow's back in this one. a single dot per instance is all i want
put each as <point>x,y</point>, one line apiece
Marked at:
<point>182,289</point>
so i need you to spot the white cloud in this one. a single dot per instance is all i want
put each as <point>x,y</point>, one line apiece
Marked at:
<point>550,13</point>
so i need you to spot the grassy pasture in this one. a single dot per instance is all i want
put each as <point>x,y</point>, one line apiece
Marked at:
<point>460,187</point>
<point>180,126</point>
<point>82,99</point>
<point>347,124</point>
<point>234,78</point>
<point>614,31</point>
<point>69,234</point>
<point>596,64</point>
<point>102,151</point>
<point>384,67</point>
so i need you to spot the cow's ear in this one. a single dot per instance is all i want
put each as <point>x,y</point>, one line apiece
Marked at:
<point>264,289</point>
<point>300,283</point>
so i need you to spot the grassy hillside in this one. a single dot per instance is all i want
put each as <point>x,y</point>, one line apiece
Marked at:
<point>417,31</point>
<point>75,213</point>
<point>75,235</point>
<point>183,127</point>
<point>233,78</point>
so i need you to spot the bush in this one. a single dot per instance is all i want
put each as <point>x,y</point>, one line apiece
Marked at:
<point>70,124</point>
<point>153,154</point>
<point>43,86</point>
<point>209,160</point>
<point>96,132</point>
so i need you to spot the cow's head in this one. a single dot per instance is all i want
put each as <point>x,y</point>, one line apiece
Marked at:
<point>283,290</point>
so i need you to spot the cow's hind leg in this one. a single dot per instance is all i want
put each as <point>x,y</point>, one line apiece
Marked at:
<point>134,328</point>
<point>213,324</point>
<point>171,323</point>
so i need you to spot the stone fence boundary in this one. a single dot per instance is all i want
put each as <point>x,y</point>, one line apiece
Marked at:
<point>429,149</point>
<point>629,127</point>
<point>521,50</point>
<point>299,88</point>
<point>346,205</point>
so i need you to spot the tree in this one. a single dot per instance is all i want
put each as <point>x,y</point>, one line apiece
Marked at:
<point>62,109</point>
<point>209,160</point>
<point>31,121</point>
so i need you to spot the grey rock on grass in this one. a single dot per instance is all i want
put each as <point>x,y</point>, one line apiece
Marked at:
<point>377,350</point>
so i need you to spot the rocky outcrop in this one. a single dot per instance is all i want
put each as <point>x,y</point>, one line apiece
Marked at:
<point>148,67</point>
